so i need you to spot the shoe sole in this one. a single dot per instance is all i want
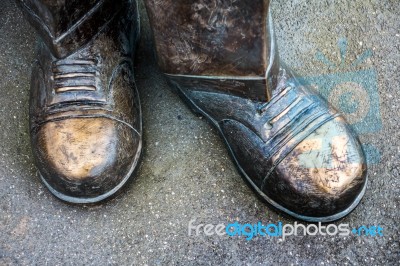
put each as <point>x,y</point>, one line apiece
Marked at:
<point>325,219</point>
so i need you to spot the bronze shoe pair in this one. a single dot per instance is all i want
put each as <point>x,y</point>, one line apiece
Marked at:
<point>294,149</point>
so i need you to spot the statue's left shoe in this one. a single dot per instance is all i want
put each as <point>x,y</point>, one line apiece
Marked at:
<point>295,150</point>
<point>85,115</point>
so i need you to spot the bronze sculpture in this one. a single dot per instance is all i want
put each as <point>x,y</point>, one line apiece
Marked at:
<point>85,115</point>
<point>222,59</point>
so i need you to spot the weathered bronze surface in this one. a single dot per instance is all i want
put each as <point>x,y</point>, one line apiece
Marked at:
<point>295,150</point>
<point>216,39</point>
<point>85,115</point>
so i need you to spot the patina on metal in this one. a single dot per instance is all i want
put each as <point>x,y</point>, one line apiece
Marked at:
<point>295,150</point>
<point>85,116</point>
<point>208,40</point>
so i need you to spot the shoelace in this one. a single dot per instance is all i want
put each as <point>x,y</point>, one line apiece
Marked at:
<point>261,109</point>
<point>74,75</point>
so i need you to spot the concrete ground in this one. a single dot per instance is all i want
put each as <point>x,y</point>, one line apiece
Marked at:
<point>186,171</point>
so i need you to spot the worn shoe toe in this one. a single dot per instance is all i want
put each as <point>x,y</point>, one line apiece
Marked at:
<point>85,160</point>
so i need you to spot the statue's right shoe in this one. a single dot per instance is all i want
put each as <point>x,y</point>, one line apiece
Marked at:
<point>85,115</point>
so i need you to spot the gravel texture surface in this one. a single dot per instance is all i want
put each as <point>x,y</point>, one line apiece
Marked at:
<point>186,172</point>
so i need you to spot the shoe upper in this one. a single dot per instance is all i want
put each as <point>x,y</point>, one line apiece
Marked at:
<point>295,149</point>
<point>85,115</point>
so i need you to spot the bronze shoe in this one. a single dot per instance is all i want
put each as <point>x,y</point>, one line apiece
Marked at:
<point>295,151</point>
<point>85,115</point>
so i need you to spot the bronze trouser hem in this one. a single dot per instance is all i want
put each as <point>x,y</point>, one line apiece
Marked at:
<point>61,28</point>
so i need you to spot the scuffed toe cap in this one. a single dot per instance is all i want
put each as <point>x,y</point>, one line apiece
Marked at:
<point>85,160</point>
<point>324,175</point>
